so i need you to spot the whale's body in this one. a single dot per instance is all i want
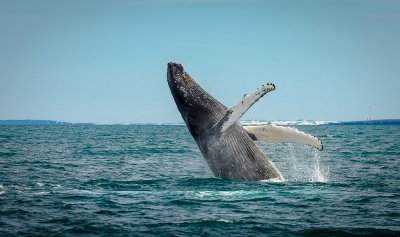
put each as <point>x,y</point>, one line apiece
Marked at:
<point>234,155</point>
<point>227,147</point>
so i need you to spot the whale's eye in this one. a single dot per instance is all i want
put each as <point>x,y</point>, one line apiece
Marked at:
<point>192,119</point>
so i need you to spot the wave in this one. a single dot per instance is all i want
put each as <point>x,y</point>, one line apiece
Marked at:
<point>257,122</point>
<point>260,122</point>
<point>2,189</point>
<point>286,122</point>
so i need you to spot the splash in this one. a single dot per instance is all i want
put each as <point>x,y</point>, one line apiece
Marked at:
<point>318,174</point>
<point>274,180</point>
<point>298,163</point>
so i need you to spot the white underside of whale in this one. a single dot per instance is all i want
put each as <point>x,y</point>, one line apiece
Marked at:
<point>279,134</point>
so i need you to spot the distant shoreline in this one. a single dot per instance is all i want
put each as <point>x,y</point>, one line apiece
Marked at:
<point>30,122</point>
<point>371,122</point>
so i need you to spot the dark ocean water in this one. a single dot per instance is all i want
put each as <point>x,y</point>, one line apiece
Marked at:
<point>153,181</point>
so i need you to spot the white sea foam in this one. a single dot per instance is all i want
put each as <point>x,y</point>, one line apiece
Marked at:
<point>274,180</point>
<point>41,193</point>
<point>224,220</point>
<point>2,189</point>
<point>285,122</point>
<point>236,193</point>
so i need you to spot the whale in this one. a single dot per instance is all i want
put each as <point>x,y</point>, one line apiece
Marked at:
<point>229,149</point>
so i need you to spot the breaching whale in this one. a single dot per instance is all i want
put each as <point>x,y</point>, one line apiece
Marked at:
<point>227,147</point>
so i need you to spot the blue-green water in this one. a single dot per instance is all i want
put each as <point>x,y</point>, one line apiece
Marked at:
<point>153,181</point>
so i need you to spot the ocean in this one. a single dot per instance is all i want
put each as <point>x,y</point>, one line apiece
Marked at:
<point>151,180</point>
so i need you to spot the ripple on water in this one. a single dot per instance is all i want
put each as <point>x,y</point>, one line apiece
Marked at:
<point>153,181</point>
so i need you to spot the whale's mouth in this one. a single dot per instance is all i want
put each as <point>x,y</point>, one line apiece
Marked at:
<point>177,83</point>
<point>199,110</point>
<point>175,74</point>
<point>186,94</point>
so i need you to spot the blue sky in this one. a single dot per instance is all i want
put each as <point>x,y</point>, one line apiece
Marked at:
<point>105,61</point>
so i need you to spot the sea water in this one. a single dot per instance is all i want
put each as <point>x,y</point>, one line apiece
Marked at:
<point>151,180</point>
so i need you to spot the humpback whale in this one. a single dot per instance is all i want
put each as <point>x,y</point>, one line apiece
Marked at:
<point>228,148</point>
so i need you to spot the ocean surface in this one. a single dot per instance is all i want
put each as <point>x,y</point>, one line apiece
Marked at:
<point>151,180</point>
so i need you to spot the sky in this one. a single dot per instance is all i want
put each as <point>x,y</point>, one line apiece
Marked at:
<point>105,61</point>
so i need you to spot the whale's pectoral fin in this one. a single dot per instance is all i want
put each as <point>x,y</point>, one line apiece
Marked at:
<point>278,134</point>
<point>236,112</point>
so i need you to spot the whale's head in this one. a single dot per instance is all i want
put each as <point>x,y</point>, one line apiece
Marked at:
<point>199,110</point>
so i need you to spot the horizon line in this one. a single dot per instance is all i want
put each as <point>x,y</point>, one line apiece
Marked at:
<point>243,122</point>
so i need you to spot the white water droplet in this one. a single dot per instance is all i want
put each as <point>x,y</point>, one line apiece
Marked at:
<point>318,174</point>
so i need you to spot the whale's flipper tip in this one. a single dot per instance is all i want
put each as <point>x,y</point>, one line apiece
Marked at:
<point>236,112</point>
<point>270,86</point>
<point>322,145</point>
